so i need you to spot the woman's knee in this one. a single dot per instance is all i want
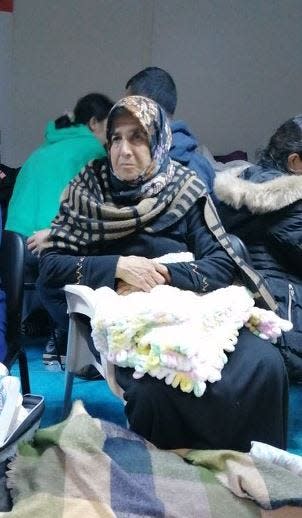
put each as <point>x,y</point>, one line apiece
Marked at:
<point>259,351</point>
<point>270,360</point>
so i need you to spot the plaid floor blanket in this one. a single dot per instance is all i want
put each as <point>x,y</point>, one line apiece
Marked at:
<point>91,468</point>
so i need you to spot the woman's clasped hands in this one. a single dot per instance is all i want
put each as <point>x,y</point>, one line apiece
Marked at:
<point>136,273</point>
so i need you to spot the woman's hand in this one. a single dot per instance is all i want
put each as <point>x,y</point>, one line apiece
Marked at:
<point>36,242</point>
<point>141,272</point>
<point>123,288</point>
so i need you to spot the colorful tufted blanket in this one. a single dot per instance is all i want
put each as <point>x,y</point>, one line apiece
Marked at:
<point>178,335</point>
<point>91,468</point>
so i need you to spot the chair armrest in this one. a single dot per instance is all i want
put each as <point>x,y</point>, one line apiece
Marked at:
<point>80,299</point>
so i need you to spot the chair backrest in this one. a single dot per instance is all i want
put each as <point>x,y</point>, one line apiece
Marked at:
<point>12,281</point>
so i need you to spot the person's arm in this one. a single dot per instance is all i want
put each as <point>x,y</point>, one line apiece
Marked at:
<point>139,273</point>
<point>213,268</point>
<point>58,269</point>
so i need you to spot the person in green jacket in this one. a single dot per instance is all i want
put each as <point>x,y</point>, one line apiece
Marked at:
<point>71,141</point>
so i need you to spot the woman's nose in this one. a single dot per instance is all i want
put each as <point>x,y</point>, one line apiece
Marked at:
<point>125,148</point>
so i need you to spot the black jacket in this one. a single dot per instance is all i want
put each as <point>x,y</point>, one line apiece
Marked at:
<point>184,149</point>
<point>264,208</point>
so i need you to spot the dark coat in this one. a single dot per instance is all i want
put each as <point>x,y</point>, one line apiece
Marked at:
<point>184,150</point>
<point>264,208</point>
<point>254,376</point>
<point>215,265</point>
<point>211,269</point>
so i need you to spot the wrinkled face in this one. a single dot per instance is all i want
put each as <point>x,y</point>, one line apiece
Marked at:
<point>129,148</point>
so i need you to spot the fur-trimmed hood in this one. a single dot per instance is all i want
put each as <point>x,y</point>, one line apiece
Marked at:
<point>259,190</point>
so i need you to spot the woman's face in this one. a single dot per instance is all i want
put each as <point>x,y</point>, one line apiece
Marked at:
<point>129,148</point>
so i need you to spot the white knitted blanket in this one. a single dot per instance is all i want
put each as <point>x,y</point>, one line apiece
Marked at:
<point>178,335</point>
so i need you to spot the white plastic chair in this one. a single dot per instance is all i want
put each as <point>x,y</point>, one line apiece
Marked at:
<point>80,301</point>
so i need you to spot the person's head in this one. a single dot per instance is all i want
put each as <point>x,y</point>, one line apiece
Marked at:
<point>91,110</point>
<point>157,84</point>
<point>284,150</point>
<point>139,139</point>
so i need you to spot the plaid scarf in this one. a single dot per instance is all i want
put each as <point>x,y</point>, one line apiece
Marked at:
<point>88,214</point>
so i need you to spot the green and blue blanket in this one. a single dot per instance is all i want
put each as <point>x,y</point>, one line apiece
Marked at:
<point>84,467</point>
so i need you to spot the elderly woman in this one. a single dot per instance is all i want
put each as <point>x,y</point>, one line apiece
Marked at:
<point>117,215</point>
<point>263,206</point>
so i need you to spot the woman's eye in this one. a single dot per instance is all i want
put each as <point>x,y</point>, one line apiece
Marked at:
<point>115,139</point>
<point>139,137</point>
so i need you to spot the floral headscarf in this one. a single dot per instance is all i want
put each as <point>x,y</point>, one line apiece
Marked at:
<point>155,123</point>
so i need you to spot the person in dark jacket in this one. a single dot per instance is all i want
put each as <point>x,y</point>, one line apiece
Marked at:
<point>157,84</point>
<point>115,217</point>
<point>263,206</point>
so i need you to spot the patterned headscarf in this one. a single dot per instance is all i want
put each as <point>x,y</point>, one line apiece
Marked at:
<point>155,123</point>
<point>97,206</point>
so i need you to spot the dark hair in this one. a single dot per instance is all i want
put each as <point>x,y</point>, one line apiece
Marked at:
<point>285,141</point>
<point>91,105</point>
<point>157,84</point>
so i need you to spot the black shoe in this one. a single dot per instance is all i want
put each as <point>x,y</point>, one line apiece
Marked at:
<point>55,349</point>
<point>89,373</point>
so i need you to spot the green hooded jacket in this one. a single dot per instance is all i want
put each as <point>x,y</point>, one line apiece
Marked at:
<point>36,196</point>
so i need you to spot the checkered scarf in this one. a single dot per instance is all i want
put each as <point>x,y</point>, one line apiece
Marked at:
<point>89,216</point>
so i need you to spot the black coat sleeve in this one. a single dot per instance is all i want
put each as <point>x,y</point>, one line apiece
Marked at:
<point>213,268</point>
<point>58,269</point>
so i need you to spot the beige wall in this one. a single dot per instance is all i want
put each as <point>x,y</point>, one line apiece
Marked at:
<point>237,63</point>
<point>6,97</point>
<point>64,49</point>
